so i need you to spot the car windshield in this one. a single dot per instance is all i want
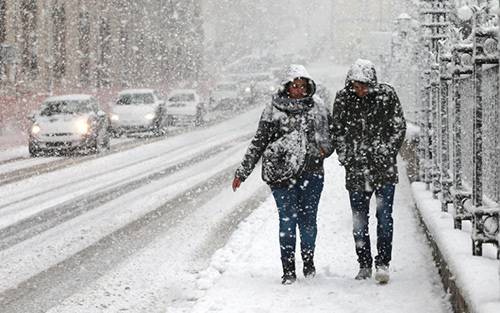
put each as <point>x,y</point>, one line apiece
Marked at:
<point>135,98</point>
<point>65,107</point>
<point>182,97</point>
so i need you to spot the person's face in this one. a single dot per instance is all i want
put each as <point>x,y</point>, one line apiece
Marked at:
<point>297,89</point>
<point>361,89</point>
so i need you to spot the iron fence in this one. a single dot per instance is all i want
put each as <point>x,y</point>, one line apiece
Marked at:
<point>459,113</point>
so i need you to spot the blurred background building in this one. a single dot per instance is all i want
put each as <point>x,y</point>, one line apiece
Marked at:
<point>91,46</point>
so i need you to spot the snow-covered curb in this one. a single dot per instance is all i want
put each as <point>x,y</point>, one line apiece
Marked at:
<point>476,278</point>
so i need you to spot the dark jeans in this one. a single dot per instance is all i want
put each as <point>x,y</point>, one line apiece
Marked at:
<point>360,202</point>
<point>298,205</point>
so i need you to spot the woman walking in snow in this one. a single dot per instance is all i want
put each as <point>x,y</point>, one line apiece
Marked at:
<point>293,138</point>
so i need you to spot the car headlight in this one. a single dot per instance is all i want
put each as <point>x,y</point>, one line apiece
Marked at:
<point>149,116</point>
<point>82,126</point>
<point>35,129</point>
<point>115,117</point>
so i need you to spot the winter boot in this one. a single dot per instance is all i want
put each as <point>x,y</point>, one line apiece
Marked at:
<point>364,273</point>
<point>289,276</point>
<point>382,274</point>
<point>309,270</point>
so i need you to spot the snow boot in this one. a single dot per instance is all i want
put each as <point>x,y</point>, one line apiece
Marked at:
<point>309,270</point>
<point>382,274</point>
<point>364,273</point>
<point>289,276</point>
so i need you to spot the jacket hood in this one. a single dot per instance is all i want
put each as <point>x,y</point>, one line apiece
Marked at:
<point>281,100</point>
<point>362,71</point>
<point>292,72</point>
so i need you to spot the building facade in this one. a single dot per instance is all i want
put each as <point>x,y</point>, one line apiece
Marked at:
<point>93,46</point>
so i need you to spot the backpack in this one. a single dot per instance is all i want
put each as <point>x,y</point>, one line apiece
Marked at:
<point>285,158</point>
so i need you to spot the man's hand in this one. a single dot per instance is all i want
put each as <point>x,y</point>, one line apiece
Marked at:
<point>236,183</point>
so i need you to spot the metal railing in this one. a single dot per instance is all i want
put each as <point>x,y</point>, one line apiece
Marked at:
<point>459,115</point>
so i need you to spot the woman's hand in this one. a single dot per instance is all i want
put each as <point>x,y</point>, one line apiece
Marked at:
<point>322,152</point>
<point>236,183</point>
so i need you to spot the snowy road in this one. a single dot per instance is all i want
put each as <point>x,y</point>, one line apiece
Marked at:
<point>16,163</point>
<point>54,224</point>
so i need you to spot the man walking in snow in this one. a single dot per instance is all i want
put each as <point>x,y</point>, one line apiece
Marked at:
<point>369,129</point>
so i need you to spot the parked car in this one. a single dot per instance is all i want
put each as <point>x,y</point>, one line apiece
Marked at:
<point>67,123</point>
<point>225,90</point>
<point>139,110</point>
<point>225,96</point>
<point>185,107</point>
<point>264,83</point>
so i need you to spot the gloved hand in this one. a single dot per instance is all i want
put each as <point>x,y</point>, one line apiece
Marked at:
<point>236,183</point>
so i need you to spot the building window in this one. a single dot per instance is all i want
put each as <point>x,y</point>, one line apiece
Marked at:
<point>29,59</point>
<point>59,40</point>
<point>84,47</point>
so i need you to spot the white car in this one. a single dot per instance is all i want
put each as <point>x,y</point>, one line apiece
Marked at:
<point>66,123</point>
<point>225,96</point>
<point>139,110</point>
<point>225,90</point>
<point>185,107</point>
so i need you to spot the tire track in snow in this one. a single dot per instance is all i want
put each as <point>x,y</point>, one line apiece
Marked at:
<point>37,294</point>
<point>54,165</point>
<point>58,214</point>
<point>49,166</point>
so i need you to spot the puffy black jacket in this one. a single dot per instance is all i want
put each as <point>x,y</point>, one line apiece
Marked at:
<point>368,132</point>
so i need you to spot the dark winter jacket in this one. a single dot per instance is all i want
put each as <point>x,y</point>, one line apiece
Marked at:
<point>284,117</point>
<point>368,131</point>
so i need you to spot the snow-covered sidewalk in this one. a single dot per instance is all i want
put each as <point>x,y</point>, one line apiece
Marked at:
<point>244,276</point>
<point>476,277</point>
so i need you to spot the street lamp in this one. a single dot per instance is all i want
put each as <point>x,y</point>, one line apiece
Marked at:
<point>404,22</point>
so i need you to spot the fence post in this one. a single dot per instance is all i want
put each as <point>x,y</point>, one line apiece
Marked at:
<point>462,60</point>
<point>477,136</point>
<point>457,123</point>
<point>434,23</point>
<point>445,78</point>
<point>426,140</point>
<point>435,120</point>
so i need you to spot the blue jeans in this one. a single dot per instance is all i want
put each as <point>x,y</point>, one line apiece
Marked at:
<point>360,205</point>
<point>298,205</point>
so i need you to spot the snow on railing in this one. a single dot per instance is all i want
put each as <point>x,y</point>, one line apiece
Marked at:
<point>459,111</point>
